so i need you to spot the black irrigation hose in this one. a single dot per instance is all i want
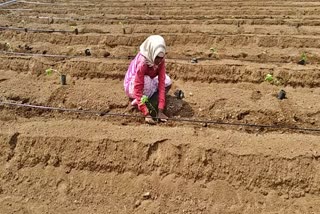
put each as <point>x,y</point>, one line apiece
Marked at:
<point>195,59</point>
<point>32,54</point>
<point>172,119</point>
<point>65,56</point>
<point>76,31</point>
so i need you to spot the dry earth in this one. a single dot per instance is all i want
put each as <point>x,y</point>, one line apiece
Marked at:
<point>66,162</point>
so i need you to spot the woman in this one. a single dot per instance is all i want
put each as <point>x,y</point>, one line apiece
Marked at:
<point>147,74</point>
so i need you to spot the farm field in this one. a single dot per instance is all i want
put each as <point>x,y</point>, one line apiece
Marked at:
<point>230,145</point>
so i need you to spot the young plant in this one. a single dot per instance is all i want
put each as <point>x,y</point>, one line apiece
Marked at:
<point>123,28</point>
<point>269,78</point>
<point>272,80</point>
<point>135,52</point>
<point>145,100</point>
<point>50,71</point>
<point>8,46</point>
<point>303,59</point>
<point>214,52</point>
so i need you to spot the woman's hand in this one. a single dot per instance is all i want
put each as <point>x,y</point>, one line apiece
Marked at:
<point>149,120</point>
<point>162,117</point>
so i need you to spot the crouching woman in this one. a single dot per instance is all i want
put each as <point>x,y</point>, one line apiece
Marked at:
<point>147,75</point>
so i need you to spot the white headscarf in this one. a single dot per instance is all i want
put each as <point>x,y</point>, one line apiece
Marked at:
<point>152,47</point>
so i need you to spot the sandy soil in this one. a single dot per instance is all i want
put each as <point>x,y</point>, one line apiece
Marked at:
<point>62,162</point>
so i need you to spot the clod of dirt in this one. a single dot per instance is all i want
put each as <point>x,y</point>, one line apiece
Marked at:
<point>27,47</point>
<point>101,114</point>
<point>137,203</point>
<point>87,52</point>
<point>302,62</point>
<point>194,60</point>
<point>106,54</point>
<point>179,94</point>
<point>281,95</point>
<point>76,31</point>
<point>44,52</point>
<point>51,20</point>
<point>146,196</point>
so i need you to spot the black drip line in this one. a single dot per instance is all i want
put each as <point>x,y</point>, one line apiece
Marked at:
<point>100,113</point>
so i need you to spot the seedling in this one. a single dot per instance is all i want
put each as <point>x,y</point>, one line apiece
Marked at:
<point>123,28</point>
<point>135,52</point>
<point>271,79</point>
<point>213,52</point>
<point>8,46</point>
<point>151,109</point>
<point>50,71</point>
<point>303,59</point>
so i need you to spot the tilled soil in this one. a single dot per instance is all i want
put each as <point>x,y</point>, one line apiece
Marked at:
<point>231,145</point>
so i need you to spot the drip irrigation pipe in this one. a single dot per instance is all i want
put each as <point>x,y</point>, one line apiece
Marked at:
<point>31,54</point>
<point>65,56</point>
<point>8,2</point>
<point>17,9</point>
<point>42,3</point>
<point>76,31</point>
<point>129,57</point>
<point>172,119</point>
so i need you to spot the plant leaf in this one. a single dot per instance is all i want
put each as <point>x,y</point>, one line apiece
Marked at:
<point>144,99</point>
<point>269,78</point>
<point>49,71</point>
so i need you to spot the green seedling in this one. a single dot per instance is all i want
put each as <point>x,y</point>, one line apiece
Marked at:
<point>50,71</point>
<point>135,52</point>
<point>8,46</point>
<point>145,100</point>
<point>269,78</point>
<point>214,52</point>
<point>123,28</point>
<point>303,59</point>
<point>272,80</point>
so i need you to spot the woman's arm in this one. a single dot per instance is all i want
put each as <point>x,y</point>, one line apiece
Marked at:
<point>139,86</point>
<point>161,86</point>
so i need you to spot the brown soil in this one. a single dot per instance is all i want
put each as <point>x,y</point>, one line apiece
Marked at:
<point>63,162</point>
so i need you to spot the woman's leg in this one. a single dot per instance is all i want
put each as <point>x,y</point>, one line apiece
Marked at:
<point>167,83</point>
<point>150,87</point>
